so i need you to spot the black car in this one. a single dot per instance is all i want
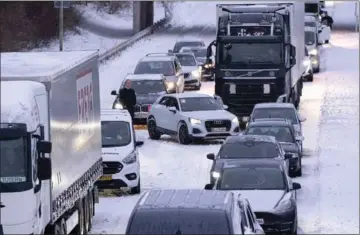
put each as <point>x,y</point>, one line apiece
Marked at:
<point>187,43</point>
<point>148,88</point>
<point>192,211</point>
<point>284,133</point>
<point>247,146</point>
<point>271,193</point>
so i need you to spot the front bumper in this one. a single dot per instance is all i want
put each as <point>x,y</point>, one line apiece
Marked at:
<point>278,222</point>
<point>127,176</point>
<point>201,131</point>
<point>191,81</point>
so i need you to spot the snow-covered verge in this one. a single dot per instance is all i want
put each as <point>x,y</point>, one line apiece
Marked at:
<point>328,201</point>
<point>100,30</point>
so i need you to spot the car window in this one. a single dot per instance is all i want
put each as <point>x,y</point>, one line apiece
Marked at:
<point>164,101</point>
<point>249,149</point>
<point>281,133</point>
<point>284,113</point>
<point>155,67</point>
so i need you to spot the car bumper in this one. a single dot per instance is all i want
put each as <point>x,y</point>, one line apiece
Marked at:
<point>283,222</point>
<point>191,81</point>
<point>199,131</point>
<point>127,177</point>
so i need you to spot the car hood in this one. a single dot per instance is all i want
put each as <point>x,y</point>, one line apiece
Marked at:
<point>289,147</point>
<point>116,154</point>
<point>262,200</point>
<point>148,98</point>
<point>204,115</point>
<point>189,69</point>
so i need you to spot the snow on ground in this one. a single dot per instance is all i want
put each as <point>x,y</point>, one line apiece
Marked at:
<point>99,30</point>
<point>328,200</point>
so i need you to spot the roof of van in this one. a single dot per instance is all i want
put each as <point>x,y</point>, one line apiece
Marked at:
<point>41,66</point>
<point>185,198</point>
<point>115,115</point>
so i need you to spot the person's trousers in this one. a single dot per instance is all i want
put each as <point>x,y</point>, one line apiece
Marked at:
<point>131,110</point>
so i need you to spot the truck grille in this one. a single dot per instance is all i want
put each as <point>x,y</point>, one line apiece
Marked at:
<point>247,95</point>
<point>186,75</point>
<point>218,124</point>
<point>110,168</point>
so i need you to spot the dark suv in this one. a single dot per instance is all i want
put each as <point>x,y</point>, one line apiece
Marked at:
<point>192,211</point>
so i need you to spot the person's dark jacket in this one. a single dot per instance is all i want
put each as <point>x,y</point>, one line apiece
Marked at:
<point>127,97</point>
<point>328,19</point>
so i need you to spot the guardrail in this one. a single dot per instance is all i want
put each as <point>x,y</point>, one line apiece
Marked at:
<point>150,30</point>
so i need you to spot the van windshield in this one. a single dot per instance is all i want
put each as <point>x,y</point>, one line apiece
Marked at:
<point>115,134</point>
<point>182,221</point>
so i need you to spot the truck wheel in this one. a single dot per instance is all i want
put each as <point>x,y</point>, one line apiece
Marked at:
<point>79,229</point>
<point>137,189</point>
<point>91,208</point>
<point>183,134</point>
<point>154,134</point>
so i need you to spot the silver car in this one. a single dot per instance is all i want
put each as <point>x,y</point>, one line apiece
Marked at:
<point>191,69</point>
<point>191,116</point>
<point>166,64</point>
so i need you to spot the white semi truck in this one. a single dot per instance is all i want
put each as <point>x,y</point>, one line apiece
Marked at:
<point>50,141</point>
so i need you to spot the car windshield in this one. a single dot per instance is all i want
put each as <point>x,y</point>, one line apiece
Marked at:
<point>199,104</point>
<point>310,24</point>
<point>155,67</point>
<point>251,149</point>
<point>281,133</point>
<point>148,86</point>
<point>179,45</point>
<point>200,53</point>
<point>309,38</point>
<point>257,178</point>
<point>251,53</point>
<point>115,133</point>
<point>179,221</point>
<point>285,113</point>
<point>14,162</point>
<point>186,60</point>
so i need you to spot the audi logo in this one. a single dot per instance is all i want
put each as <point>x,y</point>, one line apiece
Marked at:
<point>218,122</point>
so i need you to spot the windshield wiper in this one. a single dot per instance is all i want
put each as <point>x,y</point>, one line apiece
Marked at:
<point>111,145</point>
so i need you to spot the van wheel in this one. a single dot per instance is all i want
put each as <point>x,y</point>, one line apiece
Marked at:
<point>154,134</point>
<point>183,134</point>
<point>137,189</point>
<point>79,229</point>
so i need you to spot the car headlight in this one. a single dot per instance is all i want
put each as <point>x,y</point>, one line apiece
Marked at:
<point>283,205</point>
<point>131,158</point>
<point>171,85</point>
<point>313,52</point>
<point>195,73</point>
<point>215,174</point>
<point>235,120</point>
<point>194,121</point>
<point>118,106</point>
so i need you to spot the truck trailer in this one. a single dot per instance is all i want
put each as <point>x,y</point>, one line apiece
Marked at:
<point>50,141</point>
<point>259,54</point>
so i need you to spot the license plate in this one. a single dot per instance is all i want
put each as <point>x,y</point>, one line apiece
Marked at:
<point>218,129</point>
<point>260,221</point>
<point>106,177</point>
<point>140,127</point>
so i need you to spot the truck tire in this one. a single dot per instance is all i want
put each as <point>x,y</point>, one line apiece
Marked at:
<point>80,227</point>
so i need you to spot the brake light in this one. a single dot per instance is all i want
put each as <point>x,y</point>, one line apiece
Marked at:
<point>149,107</point>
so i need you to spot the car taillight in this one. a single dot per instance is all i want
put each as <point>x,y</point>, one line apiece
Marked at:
<point>149,107</point>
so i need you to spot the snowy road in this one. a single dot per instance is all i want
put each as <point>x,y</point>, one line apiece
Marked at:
<point>328,201</point>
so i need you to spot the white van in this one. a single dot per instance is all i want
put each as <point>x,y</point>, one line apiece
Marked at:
<point>121,166</point>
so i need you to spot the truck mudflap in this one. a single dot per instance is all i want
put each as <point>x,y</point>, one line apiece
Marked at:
<point>79,189</point>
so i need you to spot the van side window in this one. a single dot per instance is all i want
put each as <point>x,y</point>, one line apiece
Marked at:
<point>250,218</point>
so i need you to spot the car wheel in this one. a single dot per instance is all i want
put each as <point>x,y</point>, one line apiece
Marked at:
<point>154,134</point>
<point>137,189</point>
<point>183,134</point>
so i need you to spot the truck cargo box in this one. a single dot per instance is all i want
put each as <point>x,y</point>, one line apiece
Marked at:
<point>71,116</point>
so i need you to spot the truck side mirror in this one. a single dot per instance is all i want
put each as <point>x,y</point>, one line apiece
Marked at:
<point>44,146</point>
<point>44,168</point>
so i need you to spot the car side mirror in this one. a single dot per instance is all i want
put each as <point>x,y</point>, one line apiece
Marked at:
<point>172,109</point>
<point>296,186</point>
<point>299,138</point>
<point>44,168</point>
<point>209,187</point>
<point>288,156</point>
<point>210,156</point>
<point>44,146</point>
<point>113,92</point>
<point>225,106</point>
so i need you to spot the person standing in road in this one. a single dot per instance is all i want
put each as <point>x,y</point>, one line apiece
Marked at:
<point>127,97</point>
<point>326,19</point>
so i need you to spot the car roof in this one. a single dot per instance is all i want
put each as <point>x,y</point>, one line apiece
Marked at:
<point>185,198</point>
<point>274,105</point>
<point>157,58</point>
<point>249,163</point>
<point>115,115</point>
<point>133,77</point>
<point>255,138</point>
<point>189,95</point>
<point>270,122</point>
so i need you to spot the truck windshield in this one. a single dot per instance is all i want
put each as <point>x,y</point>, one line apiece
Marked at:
<point>115,133</point>
<point>309,38</point>
<point>179,221</point>
<point>14,163</point>
<point>251,53</point>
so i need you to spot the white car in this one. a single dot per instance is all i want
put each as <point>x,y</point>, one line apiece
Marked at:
<point>191,70</point>
<point>191,116</point>
<point>121,166</point>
